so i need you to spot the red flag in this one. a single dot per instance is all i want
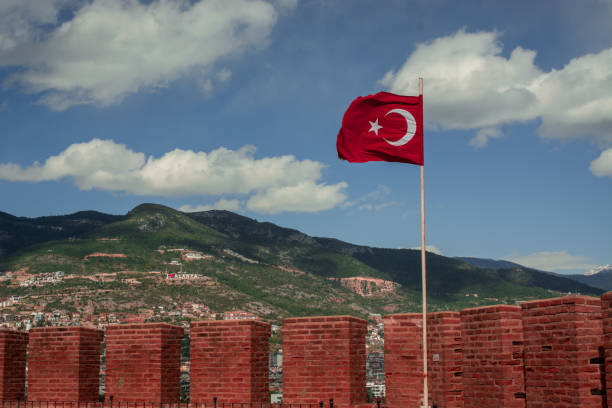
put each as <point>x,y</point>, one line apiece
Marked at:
<point>382,127</point>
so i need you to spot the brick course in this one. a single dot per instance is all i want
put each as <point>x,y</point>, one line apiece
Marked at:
<point>404,360</point>
<point>493,371</point>
<point>323,358</point>
<point>563,361</point>
<point>143,362</point>
<point>445,350</point>
<point>229,360</point>
<point>64,364</point>
<point>13,345</point>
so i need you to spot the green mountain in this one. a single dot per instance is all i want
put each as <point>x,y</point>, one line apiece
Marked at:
<point>601,279</point>
<point>489,263</point>
<point>446,277</point>
<point>134,264</point>
<point>19,232</point>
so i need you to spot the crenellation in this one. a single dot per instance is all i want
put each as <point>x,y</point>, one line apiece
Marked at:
<point>233,352</point>
<point>143,362</point>
<point>64,364</point>
<point>550,352</point>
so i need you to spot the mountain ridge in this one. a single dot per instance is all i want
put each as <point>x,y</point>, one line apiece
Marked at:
<point>254,265</point>
<point>598,269</point>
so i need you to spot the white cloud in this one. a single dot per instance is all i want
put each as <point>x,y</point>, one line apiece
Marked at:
<point>602,166</point>
<point>373,196</point>
<point>470,85</point>
<point>287,5</point>
<point>92,164</point>
<point>483,135</point>
<point>372,200</point>
<point>222,204</point>
<point>113,48</point>
<point>224,75</point>
<point>280,183</point>
<point>553,261</point>
<point>429,248</point>
<point>207,86</point>
<point>306,196</point>
<point>377,207</point>
<point>22,21</point>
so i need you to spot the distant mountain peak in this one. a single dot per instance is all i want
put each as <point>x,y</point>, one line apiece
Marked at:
<point>150,208</point>
<point>598,269</point>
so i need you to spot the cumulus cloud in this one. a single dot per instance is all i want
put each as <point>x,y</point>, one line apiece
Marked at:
<point>602,166</point>
<point>280,183</point>
<point>306,196</point>
<point>222,204</point>
<point>470,85</point>
<point>98,163</point>
<point>553,261</point>
<point>113,48</point>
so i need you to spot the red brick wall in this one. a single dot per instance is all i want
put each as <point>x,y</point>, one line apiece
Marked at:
<point>143,362</point>
<point>64,364</point>
<point>229,360</point>
<point>563,365</point>
<point>13,346</point>
<point>606,312</point>
<point>444,359</point>
<point>493,372</point>
<point>403,360</point>
<point>323,358</point>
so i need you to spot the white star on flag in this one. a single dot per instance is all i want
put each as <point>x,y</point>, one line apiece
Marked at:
<point>374,126</point>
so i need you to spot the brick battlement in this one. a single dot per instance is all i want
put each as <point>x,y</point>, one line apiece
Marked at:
<point>143,362</point>
<point>13,345</point>
<point>324,355</point>
<point>229,360</point>
<point>543,353</point>
<point>64,364</point>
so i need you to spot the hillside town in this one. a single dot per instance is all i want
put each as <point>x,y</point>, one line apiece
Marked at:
<point>32,310</point>
<point>184,313</point>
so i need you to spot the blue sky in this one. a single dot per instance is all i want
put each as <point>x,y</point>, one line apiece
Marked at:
<point>236,104</point>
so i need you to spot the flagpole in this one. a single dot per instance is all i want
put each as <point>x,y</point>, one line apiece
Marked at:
<point>424,275</point>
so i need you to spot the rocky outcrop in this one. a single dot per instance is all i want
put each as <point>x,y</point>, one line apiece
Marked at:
<point>369,286</point>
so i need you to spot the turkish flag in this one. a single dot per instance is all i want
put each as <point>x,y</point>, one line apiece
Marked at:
<point>382,127</point>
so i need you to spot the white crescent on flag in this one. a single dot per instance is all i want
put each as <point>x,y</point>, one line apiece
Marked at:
<point>410,127</point>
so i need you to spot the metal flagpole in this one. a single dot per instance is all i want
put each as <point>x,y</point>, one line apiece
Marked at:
<point>423,273</point>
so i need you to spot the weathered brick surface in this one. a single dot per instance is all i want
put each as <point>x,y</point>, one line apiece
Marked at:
<point>143,362</point>
<point>13,346</point>
<point>64,364</point>
<point>323,358</point>
<point>606,314</point>
<point>229,360</point>
<point>493,371</point>
<point>445,349</point>
<point>563,360</point>
<point>404,360</point>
